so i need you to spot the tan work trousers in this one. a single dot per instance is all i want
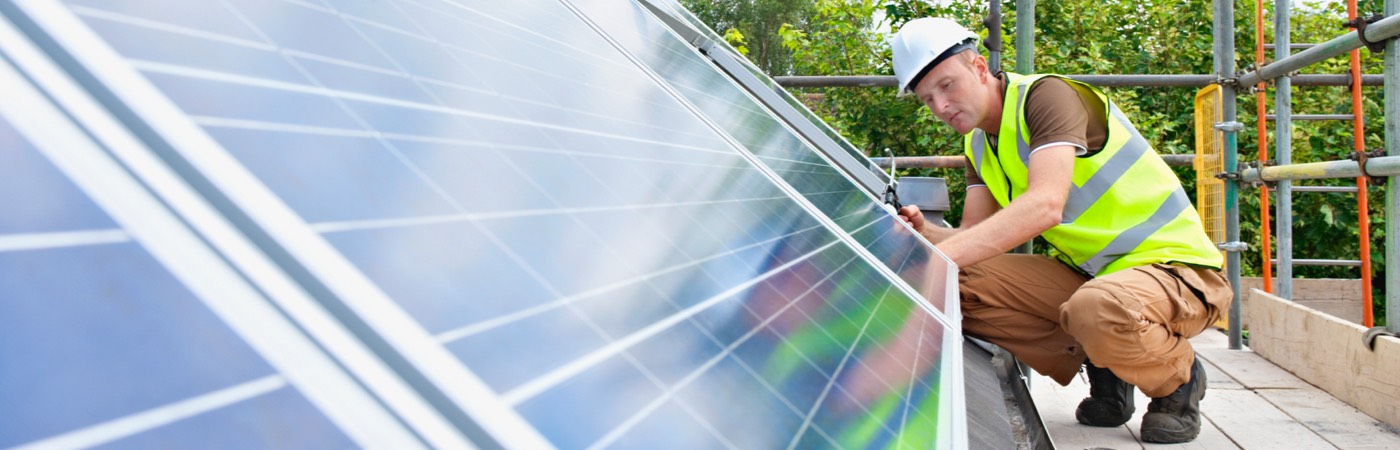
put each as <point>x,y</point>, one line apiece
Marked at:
<point>1135,322</point>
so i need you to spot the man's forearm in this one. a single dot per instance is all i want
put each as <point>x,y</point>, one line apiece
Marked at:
<point>936,234</point>
<point>1019,222</point>
<point>1030,214</point>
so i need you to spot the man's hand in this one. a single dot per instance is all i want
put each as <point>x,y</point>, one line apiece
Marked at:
<point>913,217</point>
<point>932,232</point>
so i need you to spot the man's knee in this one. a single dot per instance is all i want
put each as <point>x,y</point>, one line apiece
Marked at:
<point>1094,309</point>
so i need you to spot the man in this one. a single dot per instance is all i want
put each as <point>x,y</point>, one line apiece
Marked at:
<point>1132,274</point>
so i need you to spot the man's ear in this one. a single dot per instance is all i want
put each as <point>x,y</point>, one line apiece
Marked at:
<point>979,66</point>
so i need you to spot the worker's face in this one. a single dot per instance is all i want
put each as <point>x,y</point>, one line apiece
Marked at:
<point>956,91</point>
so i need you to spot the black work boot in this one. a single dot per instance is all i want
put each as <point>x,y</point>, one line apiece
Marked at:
<point>1110,401</point>
<point>1177,417</point>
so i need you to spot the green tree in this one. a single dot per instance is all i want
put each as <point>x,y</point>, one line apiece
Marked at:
<point>844,38</point>
<point>752,27</point>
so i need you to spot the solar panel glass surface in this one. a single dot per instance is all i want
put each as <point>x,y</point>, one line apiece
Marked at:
<point>674,9</point>
<point>759,131</point>
<point>101,342</point>
<point>586,239</point>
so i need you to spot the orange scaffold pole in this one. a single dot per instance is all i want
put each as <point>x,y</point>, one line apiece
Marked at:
<point>1363,210</point>
<point>1265,231</point>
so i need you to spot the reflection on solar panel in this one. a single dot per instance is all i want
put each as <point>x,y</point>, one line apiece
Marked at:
<point>121,323</point>
<point>439,223</point>
<point>683,18</point>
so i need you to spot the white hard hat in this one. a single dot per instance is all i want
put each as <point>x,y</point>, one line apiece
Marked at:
<point>922,43</point>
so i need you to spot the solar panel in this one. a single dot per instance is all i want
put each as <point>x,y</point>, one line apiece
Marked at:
<point>552,221</point>
<point>684,18</point>
<point>759,130</point>
<point>122,328</point>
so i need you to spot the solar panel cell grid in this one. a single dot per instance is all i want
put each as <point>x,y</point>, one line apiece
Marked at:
<point>676,10</point>
<point>761,133</point>
<point>38,197</point>
<point>612,246</point>
<point>103,344</point>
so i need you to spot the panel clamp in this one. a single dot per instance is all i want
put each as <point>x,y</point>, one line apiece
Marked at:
<point>891,196</point>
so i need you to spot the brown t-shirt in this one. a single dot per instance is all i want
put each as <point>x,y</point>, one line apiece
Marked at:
<point>1056,112</point>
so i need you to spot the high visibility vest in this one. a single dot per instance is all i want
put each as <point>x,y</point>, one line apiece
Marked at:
<point>1125,208</point>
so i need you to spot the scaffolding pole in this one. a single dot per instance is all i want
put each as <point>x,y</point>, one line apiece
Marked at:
<point>1315,116</point>
<point>1261,119</point>
<point>1025,36</point>
<point>1392,197</point>
<point>1224,28</point>
<point>993,44</point>
<point>1114,80</point>
<point>1025,62</point>
<point>958,162</point>
<point>1363,208</point>
<point>1382,166</point>
<point>1381,30</point>
<point>1283,146</point>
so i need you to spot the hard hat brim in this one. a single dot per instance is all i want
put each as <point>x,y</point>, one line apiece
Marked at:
<point>969,44</point>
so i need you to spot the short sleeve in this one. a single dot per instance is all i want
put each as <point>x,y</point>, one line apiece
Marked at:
<point>973,179</point>
<point>1055,114</point>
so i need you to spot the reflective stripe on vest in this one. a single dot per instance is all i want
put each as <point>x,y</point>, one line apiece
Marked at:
<point>1133,237</point>
<point>1082,197</point>
<point>1160,227</point>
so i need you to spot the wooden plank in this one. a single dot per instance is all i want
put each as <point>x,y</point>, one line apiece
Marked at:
<point>1377,381</point>
<point>1211,338</point>
<point>1328,352</point>
<point>1211,437</point>
<point>1056,405</point>
<point>1251,403</point>
<point>1339,423</point>
<point>1251,422</point>
<point>1217,378</point>
<point>1251,370</point>
<point>1340,298</point>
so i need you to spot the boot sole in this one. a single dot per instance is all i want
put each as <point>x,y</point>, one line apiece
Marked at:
<point>1082,421</point>
<point>1101,421</point>
<point>1166,437</point>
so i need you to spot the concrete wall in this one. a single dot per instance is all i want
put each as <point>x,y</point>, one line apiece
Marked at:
<point>1338,297</point>
<point>1327,352</point>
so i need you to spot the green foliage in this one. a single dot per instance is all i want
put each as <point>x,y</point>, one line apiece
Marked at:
<point>757,22</point>
<point>845,39</point>
<point>848,37</point>
<point>736,40</point>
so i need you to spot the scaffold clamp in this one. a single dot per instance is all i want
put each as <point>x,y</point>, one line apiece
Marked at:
<point>1369,337</point>
<point>1360,25</point>
<point>1235,246</point>
<point>1261,183</point>
<point>1230,127</point>
<point>1360,158</point>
